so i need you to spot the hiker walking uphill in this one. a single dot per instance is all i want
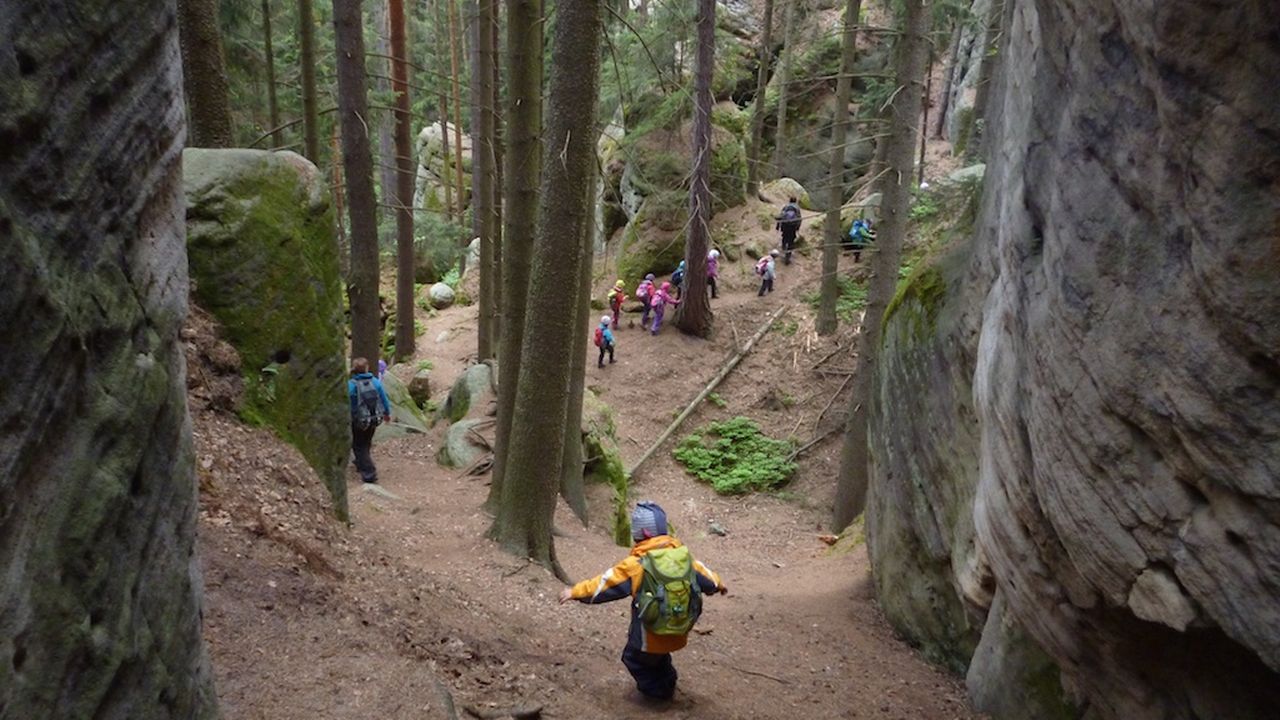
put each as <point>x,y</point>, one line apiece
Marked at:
<point>789,224</point>
<point>659,302</point>
<point>860,236</point>
<point>617,296</point>
<point>604,339</point>
<point>666,586</point>
<point>369,406</point>
<point>713,272</point>
<point>767,269</point>
<point>644,293</point>
<point>677,280</point>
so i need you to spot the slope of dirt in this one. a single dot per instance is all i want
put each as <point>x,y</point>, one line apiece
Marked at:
<point>411,605</point>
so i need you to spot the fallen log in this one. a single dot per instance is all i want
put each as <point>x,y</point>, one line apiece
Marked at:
<point>720,376</point>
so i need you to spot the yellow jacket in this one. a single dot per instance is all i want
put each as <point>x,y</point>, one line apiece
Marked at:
<point>623,580</point>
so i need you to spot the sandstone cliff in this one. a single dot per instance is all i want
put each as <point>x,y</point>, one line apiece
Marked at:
<point>1095,486</point>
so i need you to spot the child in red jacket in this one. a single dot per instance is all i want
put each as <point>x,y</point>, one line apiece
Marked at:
<point>650,642</point>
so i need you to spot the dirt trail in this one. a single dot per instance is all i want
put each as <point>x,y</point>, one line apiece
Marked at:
<point>422,594</point>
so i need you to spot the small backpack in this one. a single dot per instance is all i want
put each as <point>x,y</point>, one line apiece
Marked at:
<point>599,337</point>
<point>677,277</point>
<point>669,601</point>
<point>791,217</point>
<point>761,265</point>
<point>367,401</point>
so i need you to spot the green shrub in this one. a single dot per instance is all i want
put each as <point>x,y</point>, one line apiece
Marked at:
<point>735,457</point>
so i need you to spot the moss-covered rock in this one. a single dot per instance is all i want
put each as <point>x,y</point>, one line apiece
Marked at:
<point>603,462</point>
<point>461,446</point>
<point>475,385</point>
<point>782,189</point>
<point>647,245</point>
<point>264,259</point>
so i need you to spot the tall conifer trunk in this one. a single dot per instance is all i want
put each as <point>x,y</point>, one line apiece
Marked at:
<point>784,86</point>
<point>524,519</point>
<point>404,183</point>
<point>307,59</point>
<point>204,74</point>
<point>523,159</point>
<point>754,171</point>
<point>482,168</point>
<point>353,108</point>
<point>827,322</point>
<point>693,314</point>
<point>268,51</point>
<point>851,483</point>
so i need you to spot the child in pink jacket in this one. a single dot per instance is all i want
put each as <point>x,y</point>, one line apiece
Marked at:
<point>659,303</point>
<point>644,293</point>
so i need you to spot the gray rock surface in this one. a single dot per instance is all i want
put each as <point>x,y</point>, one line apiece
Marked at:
<point>440,296</point>
<point>1128,379</point>
<point>1075,439</point>
<point>101,598</point>
<point>264,260</point>
<point>461,445</point>
<point>420,387</point>
<point>474,388</point>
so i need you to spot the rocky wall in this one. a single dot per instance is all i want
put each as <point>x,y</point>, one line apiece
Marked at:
<point>264,259</point>
<point>1124,387</point>
<point>100,601</point>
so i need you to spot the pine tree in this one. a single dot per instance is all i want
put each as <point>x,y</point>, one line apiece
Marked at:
<point>524,516</point>
<point>523,159</point>
<point>204,74</point>
<point>827,322</point>
<point>307,59</point>
<point>483,195</point>
<point>268,52</point>
<point>784,86</point>
<point>754,173</point>
<point>693,315</point>
<point>353,106</point>
<point>851,484</point>
<point>404,182</point>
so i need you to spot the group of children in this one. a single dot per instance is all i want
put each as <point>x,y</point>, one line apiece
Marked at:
<point>654,299</point>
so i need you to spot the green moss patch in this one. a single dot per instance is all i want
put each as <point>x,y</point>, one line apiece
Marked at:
<point>735,457</point>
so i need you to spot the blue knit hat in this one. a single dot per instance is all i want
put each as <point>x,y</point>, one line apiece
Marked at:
<point>648,520</point>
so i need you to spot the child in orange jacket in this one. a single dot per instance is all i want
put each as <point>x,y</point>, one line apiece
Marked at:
<point>647,655</point>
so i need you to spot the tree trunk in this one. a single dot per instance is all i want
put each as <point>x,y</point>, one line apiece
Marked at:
<point>495,105</point>
<point>784,86</point>
<point>954,55</point>
<point>524,161</point>
<point>386,164</point>
<point>307,59</point>
<point>204,74</point>
<point>757,116</point>
<point>851,488</point>
<point>482,170</point>
<point>827,321</point>
<point>457,125</point>
<point>693,314</point>
<point>339,207</point>
<point>524,520</point>
<point>924,112</point>
<point>405,339</point>
<point>353,111</point>
<point>572,488</point>
<point>444,157</point>
<point>100,602</point>
<point>273,106</point>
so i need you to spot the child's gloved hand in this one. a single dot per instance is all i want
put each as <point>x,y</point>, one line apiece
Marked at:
<point>566,595</point>
<point>724,589</point>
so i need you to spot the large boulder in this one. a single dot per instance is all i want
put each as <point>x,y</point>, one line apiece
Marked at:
<point>463,444</point>
<point>420,387</point>
<point>1124,389</point>
<point>474,388</point>
<point>264,261</point>
<point>100,606</point>
<point>653,241</point>
<point>440,295</point>
<point>781,190</point>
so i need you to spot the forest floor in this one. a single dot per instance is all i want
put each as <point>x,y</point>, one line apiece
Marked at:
<point>411,606</point>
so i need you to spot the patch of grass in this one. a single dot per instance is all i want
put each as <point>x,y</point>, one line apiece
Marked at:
<point>924,208</point>
<point>715,399</point>
<point>789,328</point>
<point>424,365</point>
<point>735,457</point>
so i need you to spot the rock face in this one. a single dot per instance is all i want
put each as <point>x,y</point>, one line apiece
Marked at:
<point>100,603</point>
<point>1103,379</point>
<point>265,263</point>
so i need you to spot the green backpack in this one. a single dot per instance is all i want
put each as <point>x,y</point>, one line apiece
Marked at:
<point>669,601</point>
